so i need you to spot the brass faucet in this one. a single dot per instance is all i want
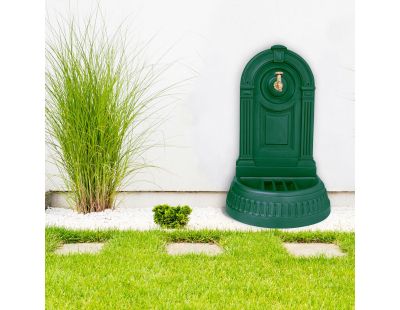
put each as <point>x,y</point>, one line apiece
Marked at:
<point>278,85</point>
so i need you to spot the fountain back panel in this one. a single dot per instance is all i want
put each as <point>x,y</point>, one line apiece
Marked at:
<point>276,184</point>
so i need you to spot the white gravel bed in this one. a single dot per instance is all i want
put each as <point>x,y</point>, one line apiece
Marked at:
<point>141,218</point>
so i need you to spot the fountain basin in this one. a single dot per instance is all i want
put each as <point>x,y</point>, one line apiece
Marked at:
<point>278,202</point>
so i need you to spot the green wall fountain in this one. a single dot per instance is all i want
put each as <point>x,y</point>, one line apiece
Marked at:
<point>276,184</point>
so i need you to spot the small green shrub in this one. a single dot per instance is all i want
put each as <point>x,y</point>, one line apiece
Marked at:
<point>171,217</point>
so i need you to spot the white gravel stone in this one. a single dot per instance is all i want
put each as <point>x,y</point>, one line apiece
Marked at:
<point>141,218</point>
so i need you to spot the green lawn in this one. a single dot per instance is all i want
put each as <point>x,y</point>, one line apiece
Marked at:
<point>255,272</point>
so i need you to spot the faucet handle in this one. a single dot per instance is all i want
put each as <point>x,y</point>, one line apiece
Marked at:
<point>278,85</point>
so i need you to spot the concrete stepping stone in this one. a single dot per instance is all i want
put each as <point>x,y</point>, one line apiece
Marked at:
<point>73,248</point>
<point>313,249</point>
<point>182,248</point>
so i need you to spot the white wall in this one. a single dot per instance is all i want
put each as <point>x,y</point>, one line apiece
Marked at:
<point>212,41</point>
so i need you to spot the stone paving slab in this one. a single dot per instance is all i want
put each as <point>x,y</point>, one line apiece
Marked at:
<point>74,248</point>
<point>182,248</point>
<point>314,249</point>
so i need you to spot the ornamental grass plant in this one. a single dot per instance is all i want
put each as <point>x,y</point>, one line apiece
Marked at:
<point>99,99</point>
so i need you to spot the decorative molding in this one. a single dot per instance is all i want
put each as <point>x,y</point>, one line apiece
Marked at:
<point>279,53</point>
<point>246,132</point>
<point>307,131</point>
<point>301,208</point>
<point>246,92</point>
